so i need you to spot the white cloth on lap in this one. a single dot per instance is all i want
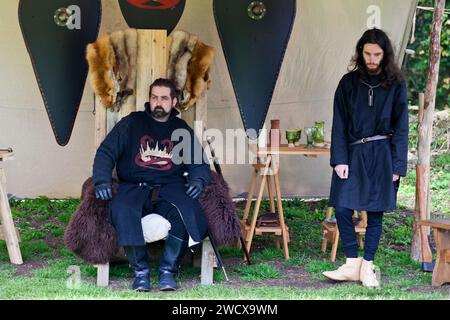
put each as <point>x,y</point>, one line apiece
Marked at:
<point>155,227</point>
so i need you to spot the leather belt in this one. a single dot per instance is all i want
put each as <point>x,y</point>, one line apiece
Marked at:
<point>373,138</point>
<point>155,190</point>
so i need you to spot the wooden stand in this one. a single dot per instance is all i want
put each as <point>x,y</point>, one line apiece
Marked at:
<point>265,170</point>
<point>268,167</point>
<point>7,230</point>
<point>441,271</point>
<point>152,59</point>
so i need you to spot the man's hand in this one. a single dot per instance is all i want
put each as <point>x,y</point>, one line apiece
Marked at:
<point>103,191</point>
<point>195,188</point>
<point>342,171</point>
<point>395,177</point>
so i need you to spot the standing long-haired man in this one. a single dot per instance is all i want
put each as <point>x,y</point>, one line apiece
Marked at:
<point>369,149</point>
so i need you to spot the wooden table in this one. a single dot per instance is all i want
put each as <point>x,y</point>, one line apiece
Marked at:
<point>7,230</point>
<point>441,271</point>
<point>267,168</point>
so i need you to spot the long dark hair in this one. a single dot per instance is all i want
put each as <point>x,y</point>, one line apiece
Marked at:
<point>390,72</point>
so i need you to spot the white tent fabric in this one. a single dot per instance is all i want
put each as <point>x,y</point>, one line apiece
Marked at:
<point>321,45</point>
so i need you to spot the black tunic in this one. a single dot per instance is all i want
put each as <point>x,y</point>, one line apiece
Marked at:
<point>142,150</point>
<point>371,165</point>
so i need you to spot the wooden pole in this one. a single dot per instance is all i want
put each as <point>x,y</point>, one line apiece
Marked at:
<point>422,175</point>
<point>7,224</point>
<point>425,127</point>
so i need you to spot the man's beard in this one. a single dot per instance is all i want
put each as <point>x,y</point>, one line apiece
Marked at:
<point>159,113</point>
<point>373,71</point>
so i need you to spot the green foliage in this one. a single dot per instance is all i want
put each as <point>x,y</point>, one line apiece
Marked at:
<point>268,254</point>
<point>439,174</point>
<point>35,250</point>
<point>65,216</point>
<point>57,233</point>
<point>32,235</point>
<point>258,272</point>
<point>417,65</point>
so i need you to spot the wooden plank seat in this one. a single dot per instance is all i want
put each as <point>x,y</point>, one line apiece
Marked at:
<point>441,271</point>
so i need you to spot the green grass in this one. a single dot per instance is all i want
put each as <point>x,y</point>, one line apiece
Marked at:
<point>35,250</point>
<point>258,272</point>
<point>316,267</point>
<point>37,287</point>
<point>32,235</point>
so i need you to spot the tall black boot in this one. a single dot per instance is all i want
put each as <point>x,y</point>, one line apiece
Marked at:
<point>174,250</point>
<point>138,259</point>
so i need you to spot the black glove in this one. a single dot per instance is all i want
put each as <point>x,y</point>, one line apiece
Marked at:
<point>103,191</point>
<point>195,188</point>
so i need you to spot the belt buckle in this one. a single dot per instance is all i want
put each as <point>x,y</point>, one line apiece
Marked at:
<point>363,140</point>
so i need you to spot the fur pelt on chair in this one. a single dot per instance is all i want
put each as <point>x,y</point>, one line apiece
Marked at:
<point>91,237</point>
<point>189,66</point>
<point>89,234</point>
<point>220,211</point>
<point>112,63</point>
<point>102,64</point>
<point>198,73</point>
<point>131,46</point>
<point>180,54</point>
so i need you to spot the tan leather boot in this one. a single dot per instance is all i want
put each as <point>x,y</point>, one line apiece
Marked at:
<point>348,272</point>
<point>368,276</point>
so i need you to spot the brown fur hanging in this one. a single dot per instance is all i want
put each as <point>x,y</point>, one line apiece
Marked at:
<point>102,63</point>
<point>122,67</point>
<point>198,73</point>
<point>112,63</point>
<point>131,47</point>
<point>180,54</point>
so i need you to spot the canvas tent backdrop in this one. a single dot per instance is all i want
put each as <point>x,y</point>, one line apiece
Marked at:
<point>321,44</point>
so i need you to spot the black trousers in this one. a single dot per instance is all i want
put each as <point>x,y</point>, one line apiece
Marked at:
<point>169,212</point>
<point>348,234</point>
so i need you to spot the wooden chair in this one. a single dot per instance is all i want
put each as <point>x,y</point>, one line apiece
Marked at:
<point>152,60</point>
<point>330,231</point>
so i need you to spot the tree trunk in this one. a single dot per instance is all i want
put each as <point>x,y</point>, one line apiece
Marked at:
<point>426,119</point>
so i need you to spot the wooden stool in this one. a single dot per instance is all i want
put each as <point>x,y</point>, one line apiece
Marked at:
<point>7,230</point>
<point>256,226</point>
<point>331,231</point>
<point>441,271</point>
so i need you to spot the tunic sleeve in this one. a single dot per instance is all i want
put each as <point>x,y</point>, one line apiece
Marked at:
<point>109,152</point>
<point>339,135</point>
<point>400,136</point>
